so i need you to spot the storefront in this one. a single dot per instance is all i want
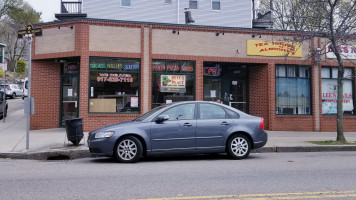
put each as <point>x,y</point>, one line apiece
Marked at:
<point>113,71</point>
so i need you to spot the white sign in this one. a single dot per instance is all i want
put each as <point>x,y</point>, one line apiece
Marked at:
<point>329,96</point>
<point>172,83</point>
<point>3,66</point>
<point>70,92</point>
<point>213,93</point>
<point>134,102</point>
<point>347,52</point>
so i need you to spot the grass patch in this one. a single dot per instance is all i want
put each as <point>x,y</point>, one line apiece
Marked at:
<point>331,142</point>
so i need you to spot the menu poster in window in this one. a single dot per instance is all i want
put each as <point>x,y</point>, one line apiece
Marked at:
<point>329,96</point>
<point>134,101</point>
<point>173,83</point>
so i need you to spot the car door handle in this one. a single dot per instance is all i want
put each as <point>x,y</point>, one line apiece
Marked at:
<point>187,124</point>
<point>224,123</point>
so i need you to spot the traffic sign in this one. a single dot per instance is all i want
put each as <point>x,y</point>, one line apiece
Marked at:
<point>29,31</point>
<point>3,66</point>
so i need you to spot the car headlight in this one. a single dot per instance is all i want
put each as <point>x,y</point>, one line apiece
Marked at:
<point>104,134</point>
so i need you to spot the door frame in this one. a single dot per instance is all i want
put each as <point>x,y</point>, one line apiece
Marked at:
<point>61,92</point>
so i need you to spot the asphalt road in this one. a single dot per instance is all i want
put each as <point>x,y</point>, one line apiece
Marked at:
<point>323,175</point>
<point>15,104</point>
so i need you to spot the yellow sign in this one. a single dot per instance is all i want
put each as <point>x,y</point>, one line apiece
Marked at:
<point>279,49</point>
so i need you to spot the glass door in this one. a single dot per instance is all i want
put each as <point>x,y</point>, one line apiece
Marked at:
<point>238,97</point>
<point>69,93</point>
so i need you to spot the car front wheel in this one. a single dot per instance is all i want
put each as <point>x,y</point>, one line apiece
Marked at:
<point>238,146</point>
<point>128,150</point>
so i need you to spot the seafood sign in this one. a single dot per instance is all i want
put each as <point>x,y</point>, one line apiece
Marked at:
<point>278,49</point>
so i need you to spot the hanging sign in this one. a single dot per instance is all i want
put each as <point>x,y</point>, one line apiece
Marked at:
<point>172,83</point>
<point>3,66</point>
<point>278,49</point>
<point>29,31</point>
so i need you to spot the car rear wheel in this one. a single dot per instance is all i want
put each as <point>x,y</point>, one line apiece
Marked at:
<point>13,96</point>
<point>238,146</point>
<point>128,150</point>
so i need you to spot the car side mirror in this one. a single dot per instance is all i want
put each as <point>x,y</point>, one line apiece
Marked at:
<point>161,118</point>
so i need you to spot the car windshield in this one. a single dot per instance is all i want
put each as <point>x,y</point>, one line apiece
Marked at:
<point>2,86</point>
<point>148,114</point>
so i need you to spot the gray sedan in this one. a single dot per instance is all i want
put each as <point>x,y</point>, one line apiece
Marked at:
<point>192,127</point>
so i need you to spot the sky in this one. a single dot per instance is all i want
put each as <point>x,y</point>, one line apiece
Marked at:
<point>47,7</point>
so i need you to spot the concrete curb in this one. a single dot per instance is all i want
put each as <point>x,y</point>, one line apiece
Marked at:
<point>305,149</point>
<point>84,153</point>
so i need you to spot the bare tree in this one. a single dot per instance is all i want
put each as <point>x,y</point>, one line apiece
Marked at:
<point>14,16</point>
<point>333,20</point>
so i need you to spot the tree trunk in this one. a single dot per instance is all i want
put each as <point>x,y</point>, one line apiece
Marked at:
<point>340,100</point>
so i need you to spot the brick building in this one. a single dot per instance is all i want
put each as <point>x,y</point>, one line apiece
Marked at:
<point>110,71</point>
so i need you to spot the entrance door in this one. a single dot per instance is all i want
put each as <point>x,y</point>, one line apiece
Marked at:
<point>69,93</point>
<point>228,84</point>
<point>238,95</point>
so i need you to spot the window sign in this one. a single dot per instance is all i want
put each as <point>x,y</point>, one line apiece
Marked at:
<point>173,66</point>
<point>211,71</point>
<point>71,68</point>
<point>114,85</point>
<point>173,83</point>
<point>158,66</point>
<point>106,77</point>
<point>329,92</point>
<point>187,66</point>
<point>134,102</point>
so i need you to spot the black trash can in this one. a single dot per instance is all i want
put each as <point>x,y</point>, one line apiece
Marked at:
<point>74,129</point>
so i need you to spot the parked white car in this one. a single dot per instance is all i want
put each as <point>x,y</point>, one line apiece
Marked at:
<point>12,90</point>
<point>25,89</point>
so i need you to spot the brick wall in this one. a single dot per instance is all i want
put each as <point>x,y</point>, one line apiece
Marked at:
<point>258,92</point>
<point>45,89</point>
<point>261,76</point>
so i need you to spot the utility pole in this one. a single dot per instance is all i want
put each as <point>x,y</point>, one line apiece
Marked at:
<point>29,101</point>
<point>4,69</point>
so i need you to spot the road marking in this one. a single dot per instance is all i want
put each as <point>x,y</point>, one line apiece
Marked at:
<point>273,196</point>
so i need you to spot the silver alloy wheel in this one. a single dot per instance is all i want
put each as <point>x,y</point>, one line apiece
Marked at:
<point>239,146</point>
<point>127,149</point>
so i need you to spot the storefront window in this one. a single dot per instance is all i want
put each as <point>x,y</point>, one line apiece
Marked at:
<point>293,90</point>
<point>114,85</point>
<point>172,81</point>
<point>329,91</point>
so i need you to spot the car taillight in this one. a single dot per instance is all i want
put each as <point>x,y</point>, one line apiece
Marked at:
<point>8,88</point>
<point>262,124</point>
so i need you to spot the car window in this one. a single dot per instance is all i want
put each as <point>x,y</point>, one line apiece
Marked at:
<point>2,86</point>
<point>181,112</point>
<point>147,114</point>
<point>210,111</point>
<point>232,114</point>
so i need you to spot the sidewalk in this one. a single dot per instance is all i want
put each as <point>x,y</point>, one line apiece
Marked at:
<point>53,144</point>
